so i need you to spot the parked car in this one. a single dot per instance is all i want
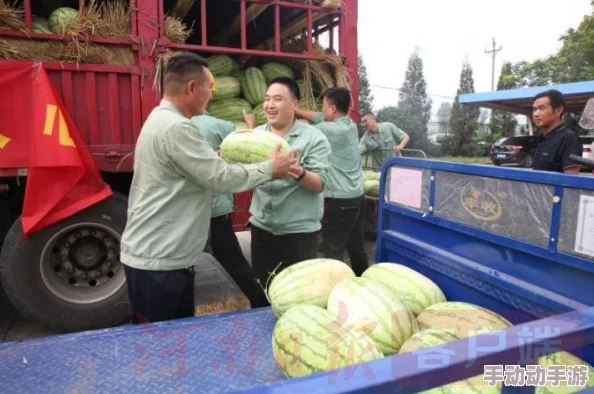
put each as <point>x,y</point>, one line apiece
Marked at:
<point>514,150</point>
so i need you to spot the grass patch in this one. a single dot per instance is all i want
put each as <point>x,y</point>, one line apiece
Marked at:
<point>464,159</point>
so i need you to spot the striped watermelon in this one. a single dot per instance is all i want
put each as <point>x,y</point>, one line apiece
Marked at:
<point>361,303</point>
<point>222,65</point>
<point>250,146</point>
<point>461,319</point>
<point>307,282</point>
<point>432,337</point>
<point>227,87</point>
<point>239,75</point>
<point>230,109</point>
<point>62,18</point>
<point>260,115</point>
<point>307,339</point>
<point>254,86</point>
<point>563,358</point>
<point>275,70</point>
<point>415,290</point>
<point>41,25</point>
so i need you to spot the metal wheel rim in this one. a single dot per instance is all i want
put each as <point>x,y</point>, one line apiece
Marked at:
<point>80,279</point>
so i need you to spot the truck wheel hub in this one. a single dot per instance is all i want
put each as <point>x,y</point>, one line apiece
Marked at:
<point>80,263</point>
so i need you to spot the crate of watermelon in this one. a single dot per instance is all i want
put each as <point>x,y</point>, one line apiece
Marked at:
<point>482,282</point>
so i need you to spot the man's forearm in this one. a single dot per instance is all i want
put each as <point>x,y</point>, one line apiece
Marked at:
<point>305,114</point>
<point>572,170</point>
<point>312,182</point>
<point>404,142</point>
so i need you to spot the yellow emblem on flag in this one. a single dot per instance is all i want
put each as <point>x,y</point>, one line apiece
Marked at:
<point>63,131</point>
<point>4,140</point>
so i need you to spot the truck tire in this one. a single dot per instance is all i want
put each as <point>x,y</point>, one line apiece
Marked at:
<point>68,276</point>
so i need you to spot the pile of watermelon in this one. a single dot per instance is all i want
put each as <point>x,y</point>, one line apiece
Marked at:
<point>239,89</point>
<point>328,318</point>
<point>371,181</point>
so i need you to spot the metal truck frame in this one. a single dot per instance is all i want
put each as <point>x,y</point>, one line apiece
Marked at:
<point>43,277</point>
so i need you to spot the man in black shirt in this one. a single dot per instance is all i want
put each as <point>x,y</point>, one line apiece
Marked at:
<point>557,141</point>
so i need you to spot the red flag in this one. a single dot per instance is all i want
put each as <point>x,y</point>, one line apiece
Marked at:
<point>37,132</point>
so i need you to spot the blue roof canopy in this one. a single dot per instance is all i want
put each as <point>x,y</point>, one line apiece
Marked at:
<point>520,100</point>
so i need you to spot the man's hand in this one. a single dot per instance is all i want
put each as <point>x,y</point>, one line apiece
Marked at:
<point>249,119</point>
<point>397,149</point>
<point>285,165</point>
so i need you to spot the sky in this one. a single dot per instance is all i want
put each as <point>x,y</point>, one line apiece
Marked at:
<point>448,32</point>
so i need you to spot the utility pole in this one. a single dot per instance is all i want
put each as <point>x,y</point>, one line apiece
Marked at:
<point>494,52</point>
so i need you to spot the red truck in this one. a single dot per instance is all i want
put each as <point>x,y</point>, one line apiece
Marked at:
<point>67,276</point>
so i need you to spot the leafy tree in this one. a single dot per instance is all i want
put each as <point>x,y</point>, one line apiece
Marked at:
<point>464,119</point>
<point>365,96</point>
<point>443,117</point>
<point>503,123</point>
<point>414,106</point>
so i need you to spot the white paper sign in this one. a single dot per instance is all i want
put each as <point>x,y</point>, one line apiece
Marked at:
<point>584,237</point>
<point>406,187</point>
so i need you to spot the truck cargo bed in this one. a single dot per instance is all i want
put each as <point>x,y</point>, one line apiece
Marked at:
<point>510,240</point>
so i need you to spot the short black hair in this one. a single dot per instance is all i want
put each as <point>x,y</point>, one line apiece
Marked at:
<point>555,97</point>
<point>290,84</point>
<point>341,97</point>
<point>368,113</point>
<point>181,67</point>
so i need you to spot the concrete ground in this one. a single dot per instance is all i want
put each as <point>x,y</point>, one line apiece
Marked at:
<point>15,327</point>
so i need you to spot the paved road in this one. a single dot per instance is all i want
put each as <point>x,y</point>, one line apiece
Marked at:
<point>15,327</point>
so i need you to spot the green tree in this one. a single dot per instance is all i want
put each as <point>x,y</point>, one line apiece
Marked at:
<point>414,106</point>
<point>443,117</point>
<point>464,119</point>
<point>503,123</point>
<point>365,96</point>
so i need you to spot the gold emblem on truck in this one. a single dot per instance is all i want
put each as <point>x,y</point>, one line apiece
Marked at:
<point>481,204</point>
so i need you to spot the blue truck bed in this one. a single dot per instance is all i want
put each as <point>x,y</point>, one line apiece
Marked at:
<point>512,240</point>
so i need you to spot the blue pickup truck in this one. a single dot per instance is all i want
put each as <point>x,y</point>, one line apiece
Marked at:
<point>516,241</point>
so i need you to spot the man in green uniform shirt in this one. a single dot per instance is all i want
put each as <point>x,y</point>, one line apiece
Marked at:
<point>223,241</point>
<point>287,214</point>
<point>169,203</point>
<point>382,140</point>
<point>342,226</point>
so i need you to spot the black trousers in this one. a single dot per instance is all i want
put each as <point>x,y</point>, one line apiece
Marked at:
<point>226,249</point>
<point>342,229</point>
<point>269,250</point>
<point>160,295</point>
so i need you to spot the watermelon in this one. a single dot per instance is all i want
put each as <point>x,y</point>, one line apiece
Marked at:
<point>371,175</point>
<point>41,25</point>
<point>563,358</point>
<point>260,115</point>
<point>362,304</point>
<point>415,290</point>
<point>461,319</point>
<point>222,65</point>
<point>62,18</point>
<point>254,86</point>
<point>371,187</point>
<point>250,146</point>
<point>432,337</point>
<point>275,70</point>
<point>307,282</point>
<point>307,339</point>
<point>227,87</point>
<point>239,75</point>
<point>230,109</point>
